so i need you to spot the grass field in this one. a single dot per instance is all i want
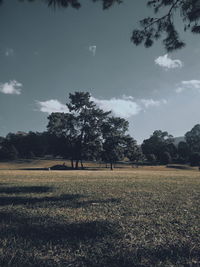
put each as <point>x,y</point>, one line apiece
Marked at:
<point>127,217</point>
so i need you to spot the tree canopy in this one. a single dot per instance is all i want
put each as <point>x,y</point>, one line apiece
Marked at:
<point>89,132</point>
<point>158,143</point>
<point>193,138</point>
<point>152,28</point>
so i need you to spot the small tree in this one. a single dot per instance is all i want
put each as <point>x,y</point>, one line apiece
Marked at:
<point>114,139</point>
<point>132,151</point>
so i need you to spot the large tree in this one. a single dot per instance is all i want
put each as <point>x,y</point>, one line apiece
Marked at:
<point>162,25</point>
<point>81,127</point>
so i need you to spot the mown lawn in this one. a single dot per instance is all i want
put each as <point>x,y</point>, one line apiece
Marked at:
<point>100,218</point>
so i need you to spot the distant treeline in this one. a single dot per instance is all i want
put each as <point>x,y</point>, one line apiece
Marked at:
<point>88,133</point>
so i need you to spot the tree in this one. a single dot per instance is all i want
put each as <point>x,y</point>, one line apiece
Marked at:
<point>61,125</point>
<point>193,138</point>
<point>151,158</point>
<point>1,140</point>
<point>153,28</point>
<point>81,127</point>
<point>132,151</point>
<point>157,143</point>
<point>8,152</point>
<point>4,153</point>
<point>195,159</point>
<point>26,142</point>
<point>114,139</point>
<point>183,151</point>
<point>165,158</point>
<point>172,150</point>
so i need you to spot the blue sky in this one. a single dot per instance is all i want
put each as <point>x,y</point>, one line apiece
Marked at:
<point>46,54</point>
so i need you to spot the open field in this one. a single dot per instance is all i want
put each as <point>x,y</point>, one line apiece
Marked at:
<point>132,217</point>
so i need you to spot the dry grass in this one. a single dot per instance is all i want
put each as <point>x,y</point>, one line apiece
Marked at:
<point>132,217</point>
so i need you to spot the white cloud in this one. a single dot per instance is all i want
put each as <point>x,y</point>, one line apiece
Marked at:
<point>92,49</point>
<point>52,105</point>
<point>11,88</point>
<point>122,107</point>
<point>152,103</point>
<point>179,90</point>
<point>126,106</point>
<point>188,85</point>
<point>167,63</point>
<point>192,84</point>
<point>9,52</point>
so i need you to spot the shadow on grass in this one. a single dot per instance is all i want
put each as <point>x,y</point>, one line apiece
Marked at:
<point>101,242</point>
<point>48,229</point>
<point>24,189</point>
<point>66,200</point>
<point>56,233</point>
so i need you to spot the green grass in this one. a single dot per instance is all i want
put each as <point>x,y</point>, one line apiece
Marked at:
<point>139,217</point>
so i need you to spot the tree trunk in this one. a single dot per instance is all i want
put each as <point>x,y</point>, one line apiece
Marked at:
<point>72,163</point>
<point>77,161</point>
<point>82,165</point>
<point>111,166</point>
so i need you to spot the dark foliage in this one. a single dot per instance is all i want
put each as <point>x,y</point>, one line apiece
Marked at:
<point>153,28</point>
<point>195,159</point>
<point>151,158</point>
<point>158,142</point>
<point>165,158</point>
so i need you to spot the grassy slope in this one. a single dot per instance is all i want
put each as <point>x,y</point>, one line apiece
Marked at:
<point>102,218</point>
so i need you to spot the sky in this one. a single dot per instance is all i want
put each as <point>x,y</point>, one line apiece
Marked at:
<point>45,54</point>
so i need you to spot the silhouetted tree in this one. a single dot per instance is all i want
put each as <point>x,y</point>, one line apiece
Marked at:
<point>8,152</point>
<point>183,152</point>
<point>193,138</point>
<point>132,151</point>
<point>114,139</point>
<point>153,28</point>
<point>81,127</point>
<point>1,139</point>
<point>158,142</point>
<point>195,159</point>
